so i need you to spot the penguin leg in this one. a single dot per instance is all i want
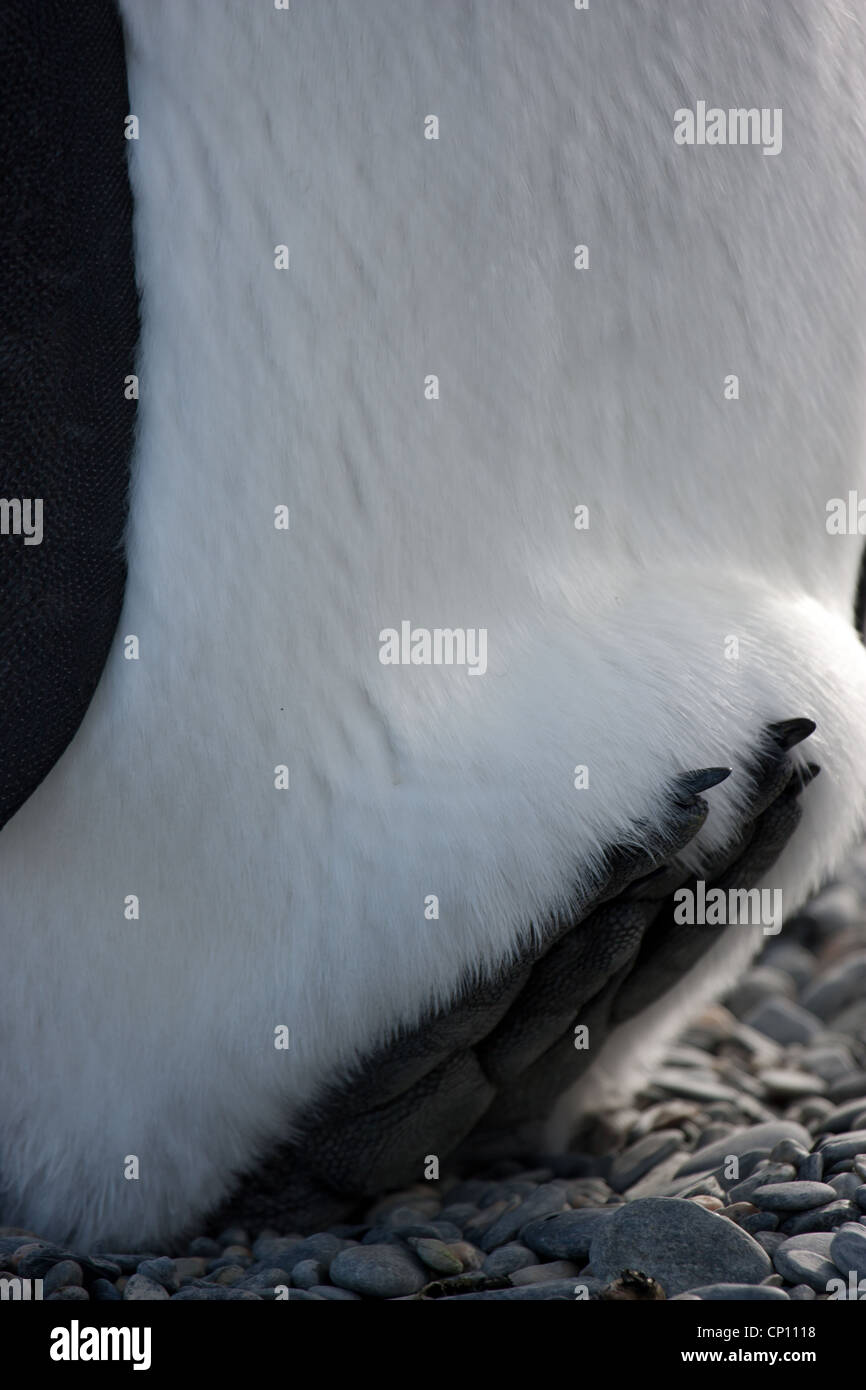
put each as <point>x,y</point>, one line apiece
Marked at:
<point>480,1077</point>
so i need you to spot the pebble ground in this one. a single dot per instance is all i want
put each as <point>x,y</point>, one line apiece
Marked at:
<point>652,1207</point>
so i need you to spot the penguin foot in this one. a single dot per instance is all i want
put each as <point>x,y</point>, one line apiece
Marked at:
<point>479,1078</point>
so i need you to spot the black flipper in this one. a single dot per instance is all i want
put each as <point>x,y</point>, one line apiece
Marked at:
<point>68,333</point>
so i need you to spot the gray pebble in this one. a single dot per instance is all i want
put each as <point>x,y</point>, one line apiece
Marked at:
<point>63,1273</point>
<point>543,1202</point>
<point>830,1063</point>
<point>305,1274</point>
<point>139,1287</point>
<point>811,1168</point>
<point>788,1151</point>
<point>769,1175</point>
<point>461,1212</point>
<point>849,1145</point>
<point>792,1196</point>
<point>543,1274</point>
<point>569,1235</point>
<point>335,1295</point>
<point>162,1271</point>
<point>783,1021</point>
<point>790,1084</point>
<point>844,1117</point>
<point>435,1255</point>
<point>104,1291</point>
<point>806,1260</point>
<point>758,1138</point>
<point>842,983</point>
<point>215,1293</point>
<point>750,1293</point>
<point>792,959</point>
<point>825,1218</point>
<point>68,1293</point>
<point>270,1278</point>
<point>845,1184</point>
<point>679,1244</point>
<point>379,1271</point>
<point>802,1293</point>
<point>637,1160</point>
<point>860,1197</point>
<point>322,1247</point>
<point>269,1248</point>
<point>761,981</point>
<point>770,1240</point>
<point>127,1263</point>
<point>759,1221</point>
<point>508,1258</point>
<point>848,1250</point>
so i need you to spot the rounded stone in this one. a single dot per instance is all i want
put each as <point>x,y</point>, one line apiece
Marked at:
<point>379,1271</point>
<point>677,1243</point>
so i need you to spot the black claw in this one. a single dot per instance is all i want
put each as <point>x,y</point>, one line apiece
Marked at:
<point>690,783</point>
<point>807,774</point>
<point>789,732</point>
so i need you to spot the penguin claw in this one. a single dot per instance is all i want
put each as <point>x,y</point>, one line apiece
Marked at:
<point>789,732</point>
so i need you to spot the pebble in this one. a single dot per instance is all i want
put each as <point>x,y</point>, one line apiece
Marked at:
<point>848,1249</point>
<point>637,1160</point>
<point>139,1287</point>
<point>811,1168</point>
<point>844,1117</point>
<point>761,981</point>
<point>792,1196</point>
<point>542,1274</point>
<point>305,1274</point>
<point>843,983</point>
<point>161,1271</point>
<point>469,1256</point>
<point>825,1218</point>
<point>830,1063</point>
<point>543,1202</point>
<point>322,1247</point>
<point>105,1291</point>
<point>379,1271</point>
<point>845,1184</point>
<point>788,1151</point>
<point>759,1138</point>
<point>768,1175</point>
<point>849,1145</point>
<point>212,1293</point>
<point>677,1243</point>
<point>783,1021</point>
<point>63,1273</point>
<point>568,1236</point>
<point>436,1255</point>
<point>806,1260</point>
<point>69,1293</point>
<point>750,1293</point>
<point>509,1258</point>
